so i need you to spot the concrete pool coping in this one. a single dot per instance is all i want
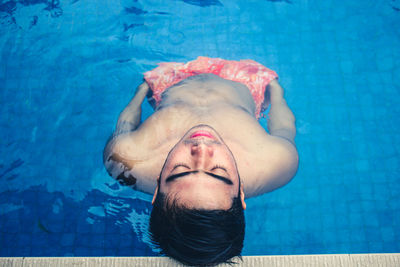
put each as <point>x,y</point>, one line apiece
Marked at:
<point>392,259</point>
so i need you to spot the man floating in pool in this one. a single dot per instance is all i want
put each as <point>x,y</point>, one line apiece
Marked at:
<point>203,151</point>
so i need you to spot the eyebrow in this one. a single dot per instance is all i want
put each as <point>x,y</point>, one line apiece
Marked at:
<point>178,175</point>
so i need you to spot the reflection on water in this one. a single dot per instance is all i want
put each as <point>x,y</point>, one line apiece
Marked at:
<point>36,222</point>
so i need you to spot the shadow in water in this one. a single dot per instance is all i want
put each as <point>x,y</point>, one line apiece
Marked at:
<point>35,222</point>
<point>203,3</point>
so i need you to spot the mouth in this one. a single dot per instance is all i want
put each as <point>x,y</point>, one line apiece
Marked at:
<point>202,133</point>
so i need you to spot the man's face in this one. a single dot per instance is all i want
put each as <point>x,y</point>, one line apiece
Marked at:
<point>200,171</point>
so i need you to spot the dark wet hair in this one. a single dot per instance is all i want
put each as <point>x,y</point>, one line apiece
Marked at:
<point>197,237</point>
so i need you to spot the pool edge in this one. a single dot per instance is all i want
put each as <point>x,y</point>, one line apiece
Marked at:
<point>384,259</point>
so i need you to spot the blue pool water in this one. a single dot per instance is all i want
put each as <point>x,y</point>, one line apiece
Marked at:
<point>69,67</point>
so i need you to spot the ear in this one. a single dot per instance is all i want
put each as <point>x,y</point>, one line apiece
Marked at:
<point>154,196</point>
<point>242,196</point>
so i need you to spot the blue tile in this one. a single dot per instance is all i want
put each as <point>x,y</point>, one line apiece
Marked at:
<point>358,236</point>
<point>67,239</point>
<point>96,252</point>
<point>342,221</point>
<point>109,252</point>
<point>390,247</point>
<point>126,251</point>
<point>343,235</point>
<point>23,251</point>
<point>11,226</point>
<point>357,247</point>
<point>387,234</point>
<point>125,229</point>
<point>38,251</point>
<point>98,227</point>
<point>9,239</point>
<point>367,205</point>
<point>354,206</point>
<point>373,234</point>
<point>273,239</point>
<point>112,240</point>
<point>385,218</point>
<point>82,240</point>
<point>81,251</point>
<point>375,247</point>
<point>355,220</point>
<point>83,227</point>
<point>96,241</point>
<point>24,239</point>
<point>372,221</point>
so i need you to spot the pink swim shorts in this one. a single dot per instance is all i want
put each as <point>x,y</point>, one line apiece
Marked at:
<point>248,72</point>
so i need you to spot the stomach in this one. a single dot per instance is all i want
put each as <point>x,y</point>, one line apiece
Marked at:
<point>208,92</point>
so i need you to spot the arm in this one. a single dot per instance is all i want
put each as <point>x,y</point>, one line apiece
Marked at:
<point>116,147</point>
<point>129,119</point>
<point>281,121</point>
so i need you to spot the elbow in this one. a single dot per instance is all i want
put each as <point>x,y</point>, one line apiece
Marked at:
<point>108,148</point>
<point>290,165</point>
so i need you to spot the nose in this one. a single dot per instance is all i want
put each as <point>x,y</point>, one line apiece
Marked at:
<point>201,153</point>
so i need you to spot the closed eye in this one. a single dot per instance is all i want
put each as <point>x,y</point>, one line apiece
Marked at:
<point>182,174</point>
<point>175,176</point>
<point>219,177</point>
<point>180,165</point>
<point>219,167</point>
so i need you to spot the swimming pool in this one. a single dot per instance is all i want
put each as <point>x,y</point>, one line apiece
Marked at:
<point>69,67</point>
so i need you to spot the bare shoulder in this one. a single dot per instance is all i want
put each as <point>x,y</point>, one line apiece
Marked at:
<point>272,166</point>
<point>281,164</point>
<point>135,158</point>
<point>119,158</point>
<point>286,158</point>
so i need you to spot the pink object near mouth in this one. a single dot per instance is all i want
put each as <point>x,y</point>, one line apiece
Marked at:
<point>202,133</point>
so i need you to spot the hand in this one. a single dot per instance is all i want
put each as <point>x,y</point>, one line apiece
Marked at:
<point>142,89</point>
<point>275,92</point>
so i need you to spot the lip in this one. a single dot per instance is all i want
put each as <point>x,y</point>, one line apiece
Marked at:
<point>202,133</point>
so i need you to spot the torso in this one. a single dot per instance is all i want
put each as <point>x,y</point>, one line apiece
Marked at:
<point>226,106</point>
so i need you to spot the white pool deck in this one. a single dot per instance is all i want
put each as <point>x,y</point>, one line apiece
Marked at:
<point>337,260</point>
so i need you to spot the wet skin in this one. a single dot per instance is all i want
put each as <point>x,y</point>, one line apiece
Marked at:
<point>200,171</point>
